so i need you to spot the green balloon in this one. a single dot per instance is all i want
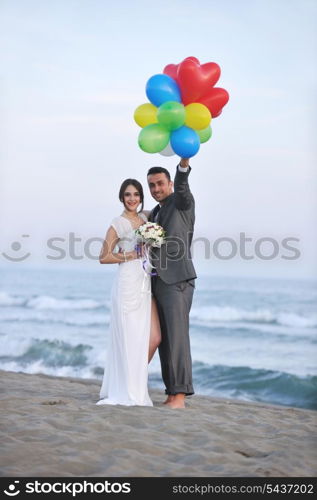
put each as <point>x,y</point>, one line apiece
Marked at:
<point>205,134</point>
<point>171,114</point>
<point>153,138</point>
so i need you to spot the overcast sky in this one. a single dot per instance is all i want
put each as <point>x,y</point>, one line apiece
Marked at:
<point>72,74</point>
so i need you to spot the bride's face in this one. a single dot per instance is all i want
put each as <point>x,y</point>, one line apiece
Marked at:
<point>131,198</point>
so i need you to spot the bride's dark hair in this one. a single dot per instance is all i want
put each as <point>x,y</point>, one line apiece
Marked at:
<point>138,187</point>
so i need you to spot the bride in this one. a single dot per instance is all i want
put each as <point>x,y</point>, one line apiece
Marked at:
<point>134,324</point>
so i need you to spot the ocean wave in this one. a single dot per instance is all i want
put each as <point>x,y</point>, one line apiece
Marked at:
<point>39,367</point>
<point>59,358</point>
<point>47,302</point>
<point>7,300</point>
<point>253,384</point>
<point>210,315</point>
<point>91,321</point>
<point>44,302</point>
<point>81,320</point>
<point>49,353</point>
<point>294,320</point>
<point>252,331</point>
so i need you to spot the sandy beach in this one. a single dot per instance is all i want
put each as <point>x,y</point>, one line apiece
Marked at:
<point>51,426</point>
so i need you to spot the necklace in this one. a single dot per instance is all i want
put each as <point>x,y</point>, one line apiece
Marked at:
<point>135,216</point>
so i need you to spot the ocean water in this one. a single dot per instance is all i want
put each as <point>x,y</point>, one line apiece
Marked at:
<point>251,339</point>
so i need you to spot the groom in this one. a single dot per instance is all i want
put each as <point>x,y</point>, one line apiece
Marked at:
<point>173,287</point>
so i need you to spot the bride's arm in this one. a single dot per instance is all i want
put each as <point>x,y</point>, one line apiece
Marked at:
<point>107,256</point>
<point>146,213</point>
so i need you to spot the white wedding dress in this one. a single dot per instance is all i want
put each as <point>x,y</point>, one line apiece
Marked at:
<point>125,380</point>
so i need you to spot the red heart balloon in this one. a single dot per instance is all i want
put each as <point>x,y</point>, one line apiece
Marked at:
<point>192,58</point>
<point>171,69</point>
<point>215,100</point>
<point>195,80</point>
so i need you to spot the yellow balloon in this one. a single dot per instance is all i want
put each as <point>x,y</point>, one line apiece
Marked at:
<point>197,115</point>
<point>145,114</point>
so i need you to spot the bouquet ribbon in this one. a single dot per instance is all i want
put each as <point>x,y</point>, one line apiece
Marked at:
<point>146,261</point>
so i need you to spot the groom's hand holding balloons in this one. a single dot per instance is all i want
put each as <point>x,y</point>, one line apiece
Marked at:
<point>184,163</point>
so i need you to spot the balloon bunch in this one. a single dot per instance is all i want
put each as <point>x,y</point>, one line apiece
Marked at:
<point>183,100</point>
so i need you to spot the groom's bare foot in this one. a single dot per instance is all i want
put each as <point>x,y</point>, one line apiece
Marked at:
<point>177,402</point>
<point>169,399</point>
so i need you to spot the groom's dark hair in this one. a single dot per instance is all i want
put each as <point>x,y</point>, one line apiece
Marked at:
<point>159,170</point>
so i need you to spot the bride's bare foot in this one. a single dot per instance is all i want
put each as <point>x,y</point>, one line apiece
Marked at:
<point>169,399</point>
<point>177,402</point>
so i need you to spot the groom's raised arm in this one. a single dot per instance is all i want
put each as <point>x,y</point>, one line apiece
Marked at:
<point>183,196</point>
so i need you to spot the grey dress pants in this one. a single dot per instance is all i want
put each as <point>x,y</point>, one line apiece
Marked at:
<point>174,303</point>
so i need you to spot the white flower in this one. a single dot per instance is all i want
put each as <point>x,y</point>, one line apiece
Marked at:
<point>151,233</point>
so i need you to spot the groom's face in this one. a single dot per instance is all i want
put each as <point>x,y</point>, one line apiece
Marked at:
<point>160,186</point>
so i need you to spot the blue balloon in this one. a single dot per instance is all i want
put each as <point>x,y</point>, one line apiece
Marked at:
<point>161,88</point>
<point>185,142</point>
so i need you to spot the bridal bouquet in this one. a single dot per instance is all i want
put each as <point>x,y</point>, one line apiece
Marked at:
<point>150,233</point>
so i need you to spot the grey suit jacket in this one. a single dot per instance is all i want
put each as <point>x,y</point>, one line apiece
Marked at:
<point>173,260</point>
